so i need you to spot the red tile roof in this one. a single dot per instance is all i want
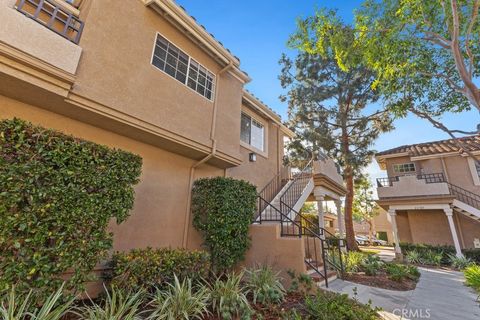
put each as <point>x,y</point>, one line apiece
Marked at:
<point>470,143</point>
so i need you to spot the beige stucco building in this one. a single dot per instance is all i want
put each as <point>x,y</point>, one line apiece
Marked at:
<point>432,192</point>
<point>158,85</point>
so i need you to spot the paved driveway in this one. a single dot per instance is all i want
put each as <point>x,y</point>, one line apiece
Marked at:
<point>439,295</point>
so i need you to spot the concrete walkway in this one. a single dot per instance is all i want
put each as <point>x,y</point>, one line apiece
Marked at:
<point>439,295</point>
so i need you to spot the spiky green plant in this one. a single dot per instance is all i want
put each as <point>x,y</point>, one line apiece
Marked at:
<point>265,285</point>
<point>180,301</point>
<point>18,306</point>
<point>413,256</point>
<point>229,298</point>
<point>459,262</point>
<point>118,305</point>
<point>353,260</point>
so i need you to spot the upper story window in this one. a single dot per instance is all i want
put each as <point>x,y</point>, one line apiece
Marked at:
<point>252,132</point>
<point>477,166</point>
<point>404,168</point>
<point>173,61</point>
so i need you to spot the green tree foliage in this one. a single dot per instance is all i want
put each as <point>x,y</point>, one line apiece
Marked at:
<point>223,209</point>
<point>426,55</point>
<point>365,207</point>
<point>331,107</point>
<point>57,196</point>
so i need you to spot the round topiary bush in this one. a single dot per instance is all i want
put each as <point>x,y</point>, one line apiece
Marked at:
<point>57,196</point>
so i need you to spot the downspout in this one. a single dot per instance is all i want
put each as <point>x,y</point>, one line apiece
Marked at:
<point>213,152</point>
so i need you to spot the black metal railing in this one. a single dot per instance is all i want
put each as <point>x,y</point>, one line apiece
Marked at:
<point>296,188</point>
<point>323,251</point>
<point>468,197</point>
<point>54,17</point>
<point>386,182</point>
<point>272,188</point>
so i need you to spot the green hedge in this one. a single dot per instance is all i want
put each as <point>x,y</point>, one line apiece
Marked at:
<point>57,196</point>
<point>223,209</point>
<point>445,250</point>
<point>149,268</point>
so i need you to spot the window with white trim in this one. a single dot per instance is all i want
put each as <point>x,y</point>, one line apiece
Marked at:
<point>477,166</point>
<point>252,132</point>
<point>404,168</point>
<point>176,63</point>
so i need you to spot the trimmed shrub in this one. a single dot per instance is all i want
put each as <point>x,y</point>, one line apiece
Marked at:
<point>332,306</point>
<point>400,272</point>
<point>57,196</point>
<point>223,209</point>
<point>149,268</point>
<point>472,254</point>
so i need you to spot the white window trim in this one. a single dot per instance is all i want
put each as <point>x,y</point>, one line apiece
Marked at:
<point>188,68</point>
<point>473,171</point>
<point>402,164</point>
<point>264,123</point>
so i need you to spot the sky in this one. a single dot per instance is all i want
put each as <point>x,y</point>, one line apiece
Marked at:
<point>257,32</point>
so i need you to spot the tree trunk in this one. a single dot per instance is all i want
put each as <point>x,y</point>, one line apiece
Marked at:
<point>350,233</point>
<point>370,229</point>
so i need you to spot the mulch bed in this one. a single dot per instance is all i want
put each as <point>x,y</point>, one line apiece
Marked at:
<point>274,312</point>
<point>381,280</point>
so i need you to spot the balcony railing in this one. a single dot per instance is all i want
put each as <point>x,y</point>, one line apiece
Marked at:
<point>53,17</point>
<point>460,193</point>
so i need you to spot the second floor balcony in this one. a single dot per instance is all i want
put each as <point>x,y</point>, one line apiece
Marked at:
<point>424,185</point>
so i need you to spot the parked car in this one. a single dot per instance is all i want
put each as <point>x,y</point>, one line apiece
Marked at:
<point>362,240</point>
<point>378,242</point>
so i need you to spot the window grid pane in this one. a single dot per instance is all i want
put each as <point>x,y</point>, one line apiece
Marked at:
<point>173,61</point>
<point>404,168</point>
<point>252,132</point>
<point>477,166</point>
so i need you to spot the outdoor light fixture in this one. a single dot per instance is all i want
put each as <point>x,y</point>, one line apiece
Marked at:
<point>253,157</point>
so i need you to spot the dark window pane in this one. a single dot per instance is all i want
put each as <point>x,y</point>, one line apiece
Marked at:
<point>192,83</point>
<point>201,89</point>
<point>170,70</point>
<point>158,63</point>
<point>181,77</point>
<point>245,125</point>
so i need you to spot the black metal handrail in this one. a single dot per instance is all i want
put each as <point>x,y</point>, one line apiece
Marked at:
<point>54,17</point>
<point>432,177</point>
<point>297,186</point>
<point>272,188</point>
<point>314,241</point>
<point>386,182</point>
<point>331,245</point>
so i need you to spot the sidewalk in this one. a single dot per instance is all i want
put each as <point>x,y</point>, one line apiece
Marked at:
<point>439,295</point>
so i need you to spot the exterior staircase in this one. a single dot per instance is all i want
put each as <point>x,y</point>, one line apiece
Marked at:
<point>465,202</point>
<point>280,202</point>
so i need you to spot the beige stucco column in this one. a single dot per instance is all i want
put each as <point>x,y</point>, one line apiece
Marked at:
<point>341,221</point>
<point>396,238</point>
<point>453,230</point>
<point>321,214</point>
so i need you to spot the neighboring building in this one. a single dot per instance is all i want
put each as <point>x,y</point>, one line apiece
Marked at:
<point>432,192</point>
<point>382,228</point>
<point>144,76</point>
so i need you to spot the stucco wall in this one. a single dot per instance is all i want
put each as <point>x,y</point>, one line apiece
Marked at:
<point>281,253</point>
<point>470,230</point>
<point>264,169</point>
<point>158,216</point>
<point>115,70</point>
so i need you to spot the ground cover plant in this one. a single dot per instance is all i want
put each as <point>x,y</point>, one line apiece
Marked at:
<point>58,195</point>
<point>230,296</point>
<point>472,277</point>
<point>431,255</point>
<point>368,269</point>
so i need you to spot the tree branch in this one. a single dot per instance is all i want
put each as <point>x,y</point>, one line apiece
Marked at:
<point>442,127</point>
